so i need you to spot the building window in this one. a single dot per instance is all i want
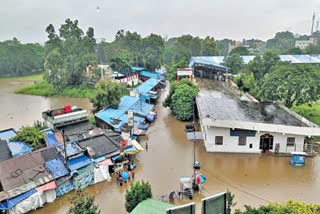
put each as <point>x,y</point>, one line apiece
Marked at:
<point>291,141</point>
<point>242,140</point>
<point>219,140</point>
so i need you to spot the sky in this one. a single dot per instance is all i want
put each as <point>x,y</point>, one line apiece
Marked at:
<point>235,19</point>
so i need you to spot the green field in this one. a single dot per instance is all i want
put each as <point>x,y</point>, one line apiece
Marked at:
<point>35,76</point>
<point>312,113</point>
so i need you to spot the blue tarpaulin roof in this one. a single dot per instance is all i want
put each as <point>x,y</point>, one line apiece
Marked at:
<point>9,203</point>
<point>147,86</point>
<point>207,60</point>
<point>7,134</point>
<point>137,68</point>
<point>57,168</point>
<point>115,157</point>
<point>73,149</point>
<point>51,139</point>
<point>18,148</point>
<point>79,162</point>
<point>150,74</point>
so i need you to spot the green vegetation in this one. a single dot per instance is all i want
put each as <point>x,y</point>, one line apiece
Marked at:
<point>311,112</point>
<point>20,59</point>
<point>240,50</point>
<point>234,62</point>
<point>107,94</point>
<point>230,201</point>
<point>181,99</point>
<point>83,203</point>
<point>292,207</point>
<point>137,193</point>
<point>30,135</point>
<point>38,76</point>
<point>69,54</point>
<point>43,88</point>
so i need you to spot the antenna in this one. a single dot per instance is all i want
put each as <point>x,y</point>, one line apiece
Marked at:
<point>313,17</point>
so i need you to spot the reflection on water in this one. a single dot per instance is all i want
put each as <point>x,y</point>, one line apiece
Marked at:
<point>254,179</point>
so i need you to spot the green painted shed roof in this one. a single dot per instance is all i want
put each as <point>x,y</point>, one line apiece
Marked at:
<point>151,206</point>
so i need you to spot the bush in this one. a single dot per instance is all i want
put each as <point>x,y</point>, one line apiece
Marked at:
<point>31,136</point>
<point>136,194</point>
<point>83,203</point>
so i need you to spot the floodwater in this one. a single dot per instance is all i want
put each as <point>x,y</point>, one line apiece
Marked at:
<point>254,179</point>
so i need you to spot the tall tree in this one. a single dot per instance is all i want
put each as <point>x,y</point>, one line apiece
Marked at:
<point>107,94</point>
<point>240,50</point>
<point>75,51</point>
<point>235,62</point>
<point>209,47</point>
<point>292,84</point>
<point>283,41</point>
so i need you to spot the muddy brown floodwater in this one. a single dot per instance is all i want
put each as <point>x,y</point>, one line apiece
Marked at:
<point>254,179</point>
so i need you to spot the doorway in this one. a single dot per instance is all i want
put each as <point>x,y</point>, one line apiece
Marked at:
<point>266,142</point>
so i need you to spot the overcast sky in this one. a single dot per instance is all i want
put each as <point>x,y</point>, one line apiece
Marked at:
<point>236,19</point>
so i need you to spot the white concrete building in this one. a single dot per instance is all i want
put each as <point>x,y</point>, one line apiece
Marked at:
<point>303,44</point>
<point>231,125</point>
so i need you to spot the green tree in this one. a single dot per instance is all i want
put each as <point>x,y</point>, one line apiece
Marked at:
<point>69,54</point>
<point>107,94</point>
<point>292,84</point>
<point>230,202</point>
<point>234,62</point>
<point>209,47</point>
<point>153,54</point>
<point>82,203</point>
<point>172,70</point>
<point>240,50</point>
<point>30,135</point>
<point>313,49</point>
<point>283,41</point>
<point>223,46</point>
<point>292,207</point>
<point>136,194</point>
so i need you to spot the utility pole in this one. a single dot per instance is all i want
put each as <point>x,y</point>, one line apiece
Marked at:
<point>194,138</point>
<point>313,18</point>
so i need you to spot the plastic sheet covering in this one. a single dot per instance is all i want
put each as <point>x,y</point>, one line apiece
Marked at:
<point>33,202</point>
<point>18,148</point>
<point>85,177</point>
<point>101,173</point>
<point>64,186</point>
<point>49,196</point>
<point>9,203</point>
<point>57,168</point>
<point>48,186</point>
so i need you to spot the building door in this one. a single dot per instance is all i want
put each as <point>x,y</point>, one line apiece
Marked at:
<point>266,142</point>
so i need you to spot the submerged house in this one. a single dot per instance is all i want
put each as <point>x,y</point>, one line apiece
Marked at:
<point>117,118</point>
<point>230,124</point>
<point>148,91</point>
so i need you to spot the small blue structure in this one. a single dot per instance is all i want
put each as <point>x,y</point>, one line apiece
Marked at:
<point>150,74</point>
<point>298,158</point>
<point>6,134</point>
<point>18,148</point>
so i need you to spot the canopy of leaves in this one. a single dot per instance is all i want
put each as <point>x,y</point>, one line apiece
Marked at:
<point>69,53</point>
<point>107,94</point>
<point>136,194</point>
<point>31,136</point>
<point>20,59</point>
<point>292,207</point>
<point>240,50</point>
<point>181,98</point>
<point>172,70</point>
<point>292,84</point>
<point>83,203</point>
<point>282,42</point>
<point>234,62</point>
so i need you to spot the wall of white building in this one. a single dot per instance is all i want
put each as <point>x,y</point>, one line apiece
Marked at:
<point>230,143</point>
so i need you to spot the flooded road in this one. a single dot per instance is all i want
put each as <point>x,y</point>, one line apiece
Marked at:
<point>254,179</point>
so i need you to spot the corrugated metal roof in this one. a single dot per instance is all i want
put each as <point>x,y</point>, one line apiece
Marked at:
<point>6,134</point>
<point>78,162</point>
<point>147,86</point>
<point>150,74</point>
<point>101,144</point>
<point>294,59</point>
<point>17,173</point>
<point>137,68</point>
<point>5,152</point>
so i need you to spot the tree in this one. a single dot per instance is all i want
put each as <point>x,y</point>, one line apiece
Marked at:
<point>240,50</point>
<point>235,62</point>
<point>30,135</point>
<point>107,94</point>
<point>230,201</point>
<point>172,70</point>
<point>69,54</point>
<point>292,207</point>
<point>292,84</point>
<point>223,46</point>
<point>83,203</point>
<point>153,54</point>
<point>136,194</point>
<point>283,41</point>
<point>209,47</point>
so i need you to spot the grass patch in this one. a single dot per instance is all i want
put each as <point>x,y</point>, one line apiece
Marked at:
<point>43,88</point>
<point>34,76</point>
<point>312,113</point>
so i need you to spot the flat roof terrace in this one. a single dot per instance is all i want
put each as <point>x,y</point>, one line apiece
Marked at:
<point>218,101</point>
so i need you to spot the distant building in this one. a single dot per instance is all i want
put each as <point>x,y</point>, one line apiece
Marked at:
<point>303,44</point>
